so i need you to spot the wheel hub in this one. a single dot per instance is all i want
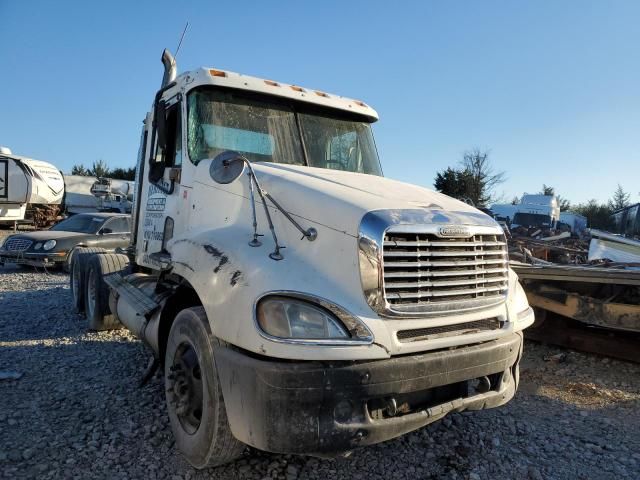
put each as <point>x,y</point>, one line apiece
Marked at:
<point>185,387</point>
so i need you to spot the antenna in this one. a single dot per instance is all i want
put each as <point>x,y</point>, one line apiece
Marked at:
<point>181,37</point>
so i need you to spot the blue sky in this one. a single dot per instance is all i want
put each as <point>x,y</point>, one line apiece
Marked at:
<point>551,88</point>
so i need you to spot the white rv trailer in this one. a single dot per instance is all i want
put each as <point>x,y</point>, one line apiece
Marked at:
<point>30,190</point>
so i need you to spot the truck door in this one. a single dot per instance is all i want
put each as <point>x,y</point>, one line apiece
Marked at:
<point>162,198</point>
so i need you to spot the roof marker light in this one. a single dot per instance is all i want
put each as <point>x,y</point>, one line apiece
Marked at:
<point>217,73</point>
<point>296,88</point>
<point>358,102</point>
<point>272,83</point>
<point>321,94</point>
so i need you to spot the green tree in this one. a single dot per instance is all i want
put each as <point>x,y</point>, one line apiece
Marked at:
<point>99,169</point>
<point>563,203</point>
<point>474,182</point>
<point>620,199</point>
<point>598,214</point>
<point>123,173</point>
<point>79,170</point>
<point>547,190</point>
<point>455,183</point>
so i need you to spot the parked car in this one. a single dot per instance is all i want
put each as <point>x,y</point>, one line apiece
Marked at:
<point>55,247</point>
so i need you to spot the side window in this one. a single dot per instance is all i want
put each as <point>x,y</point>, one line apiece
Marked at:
<point>118,225</point>
<point>174,138</point>
<point>168,152</point>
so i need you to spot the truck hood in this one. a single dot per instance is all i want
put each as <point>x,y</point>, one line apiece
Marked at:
<point>339,200</point>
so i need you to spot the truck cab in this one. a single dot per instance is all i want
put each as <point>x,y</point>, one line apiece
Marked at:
<point>537,211</point>
<point>297,300</point>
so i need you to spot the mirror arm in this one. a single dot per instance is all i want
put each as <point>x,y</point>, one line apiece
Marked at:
<point>223,170</point>
<point>310,233</point>
<point>275,255</point>
<point>255,242</point>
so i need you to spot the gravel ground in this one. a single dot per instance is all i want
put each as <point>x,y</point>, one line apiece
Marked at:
<point>77,412</point>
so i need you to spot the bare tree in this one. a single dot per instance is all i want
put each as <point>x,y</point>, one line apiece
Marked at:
<point>484,179</point>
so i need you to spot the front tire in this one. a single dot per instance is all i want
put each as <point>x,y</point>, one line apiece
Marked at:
<point>194,396</point>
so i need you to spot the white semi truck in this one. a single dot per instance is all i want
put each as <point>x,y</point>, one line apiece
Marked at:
<point>30,190</point>
<point>537,211</point>
<point>390,306</point>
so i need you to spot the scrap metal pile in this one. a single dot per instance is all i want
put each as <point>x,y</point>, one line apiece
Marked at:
<point>589,283</point>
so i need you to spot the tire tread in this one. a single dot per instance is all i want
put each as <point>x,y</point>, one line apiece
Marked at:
<point>105,263</point>
<point>80,260</point>
<point>223,447</point>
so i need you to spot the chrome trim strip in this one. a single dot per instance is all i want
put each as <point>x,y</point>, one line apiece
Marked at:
<point>373,227</point>
<point>360,332</point>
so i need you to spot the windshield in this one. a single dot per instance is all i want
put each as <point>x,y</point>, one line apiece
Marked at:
<point>79,224</point>
<point>263,131</point>
<point>531,220</point>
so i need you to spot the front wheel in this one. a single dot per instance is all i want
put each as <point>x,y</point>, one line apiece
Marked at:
<point>194,396</point>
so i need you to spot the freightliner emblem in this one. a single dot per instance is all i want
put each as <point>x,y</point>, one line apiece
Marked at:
<point>454,231</point>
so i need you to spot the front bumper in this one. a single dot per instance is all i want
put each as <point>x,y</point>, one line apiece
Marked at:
<point>330,408</point>
<point>49,259</point>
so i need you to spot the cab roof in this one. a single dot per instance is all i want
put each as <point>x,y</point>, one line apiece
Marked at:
<point>224,78</point>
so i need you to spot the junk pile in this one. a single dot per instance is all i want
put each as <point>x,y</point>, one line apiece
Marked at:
<point>592,279</point>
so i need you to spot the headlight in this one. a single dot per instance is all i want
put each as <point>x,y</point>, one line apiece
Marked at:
<point>49,244</point>
<point>37,246</point>
<point>290,318</point>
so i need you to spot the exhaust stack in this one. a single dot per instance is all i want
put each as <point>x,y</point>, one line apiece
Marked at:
<point>170,69</point>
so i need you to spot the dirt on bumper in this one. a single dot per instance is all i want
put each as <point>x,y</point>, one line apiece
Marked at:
<point>326,409</point>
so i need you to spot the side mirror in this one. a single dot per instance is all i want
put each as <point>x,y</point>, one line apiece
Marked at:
<point>104,231</point>
<point>227,167</point>
<point>160,122</point>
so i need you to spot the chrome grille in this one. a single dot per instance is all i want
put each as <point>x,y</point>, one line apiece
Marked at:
<point>17,244</point>
<point>422,270</point>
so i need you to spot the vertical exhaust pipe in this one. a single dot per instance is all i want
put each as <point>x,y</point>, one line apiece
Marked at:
<point>170,69</point>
